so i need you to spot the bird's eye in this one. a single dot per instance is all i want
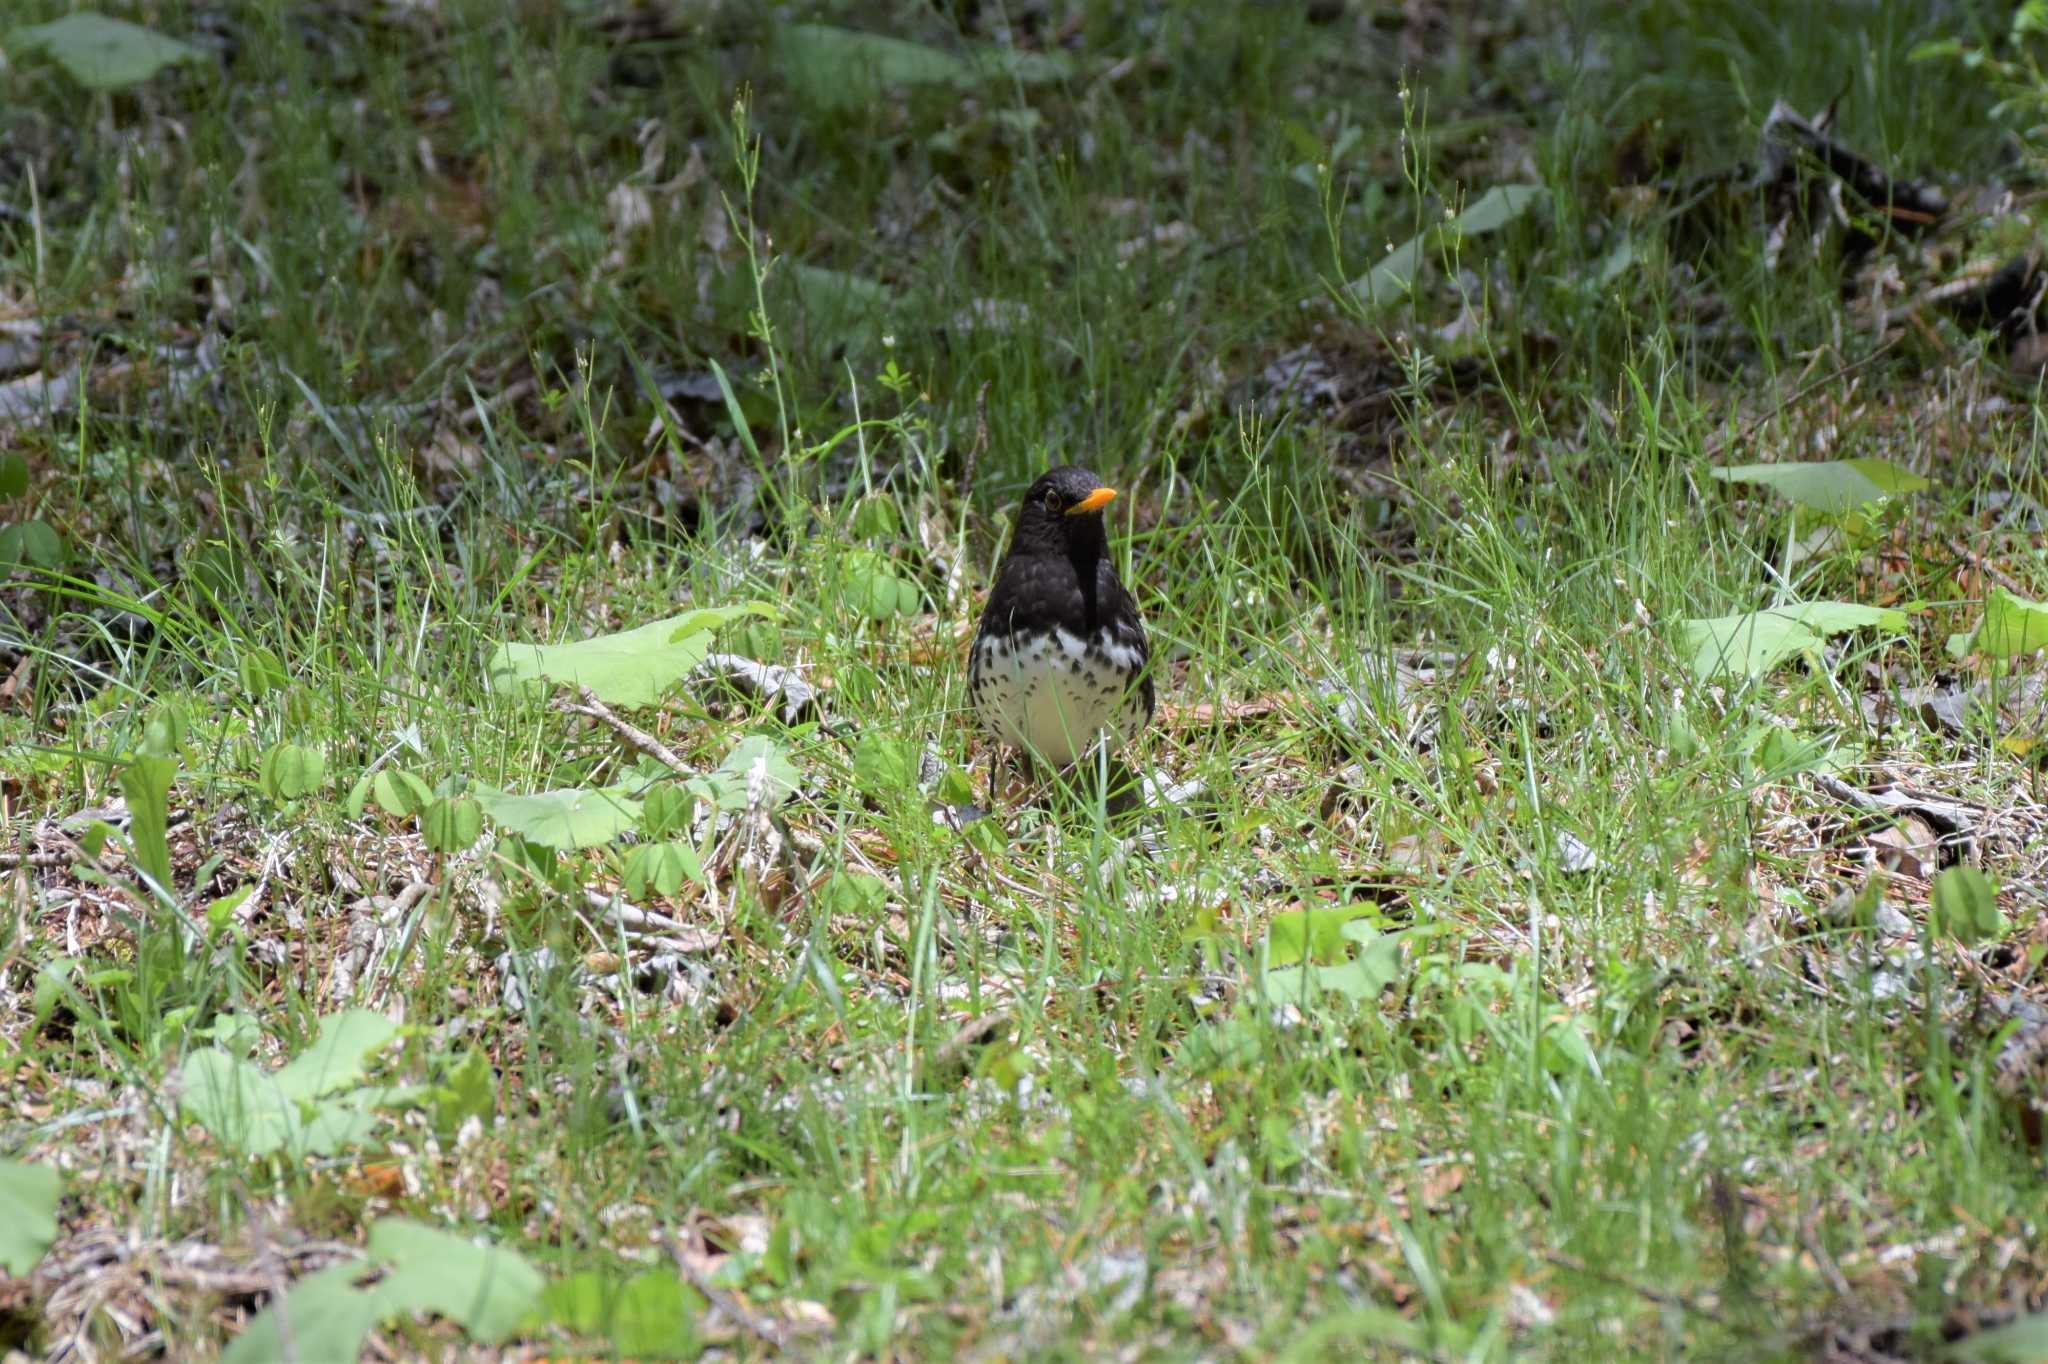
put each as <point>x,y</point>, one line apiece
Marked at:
<point>1052,502</point>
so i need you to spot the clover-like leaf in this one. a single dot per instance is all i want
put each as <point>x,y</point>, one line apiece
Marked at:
<point>662,868</point>
<point>874,589</point>
<point>32,544</point>
<point>290,771</point>
<point>1966,906</point>
<point>1316,935</point>
<point>452,824</point>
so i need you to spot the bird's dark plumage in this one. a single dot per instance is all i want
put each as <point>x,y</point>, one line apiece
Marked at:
<point>1060,655</point>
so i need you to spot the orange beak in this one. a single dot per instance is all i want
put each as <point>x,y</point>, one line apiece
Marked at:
<point>1094,502</point>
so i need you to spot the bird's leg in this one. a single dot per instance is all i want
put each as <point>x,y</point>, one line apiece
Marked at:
<point>995,765</point>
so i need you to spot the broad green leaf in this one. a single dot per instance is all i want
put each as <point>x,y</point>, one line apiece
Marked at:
<point>1615,263</point>
<point>1497,208</point>
<point>257,1112</point>
<point>334,1125</point>
<point>1389,281</point>
<point>1376,965</point>
<point>841,68</point>
<point>1830,486</point>
<point>28,1214</point>
<point>2012,626</point>
<point>291,771</point>
<point>1563,1046</point>
<point>13,477</point>
<point>236,1102</point>
<point>102,53</point>
<point>56,983</point>
<point>649,1316</point>
<point>856,895</point>
<point>489,1290</point>
<point>756,762</point>
<point>1311,935</point>
<point>469,1090</point>
<point>1755,643</point>
<point>884,766</point>
<point>214,570</point>
<point>835,308</point>
<point>1393,276</point>
<point>221,911</point>
<point>452,824</point>
<point>146,786</point>
<point>1016,64</point>
<point>2024,1341</point>
<point>324,1316</point>
<point>630,668</point>
<point>577,817</point>
<point>334,1060</point>
<point>1966,906</point>
<point>1779,753</point>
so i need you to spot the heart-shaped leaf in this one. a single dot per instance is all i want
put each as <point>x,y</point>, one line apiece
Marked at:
<point>400,793</point>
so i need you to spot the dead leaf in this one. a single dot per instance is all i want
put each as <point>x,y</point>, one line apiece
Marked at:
<point>1910,848</point>
<point>1208,714</point>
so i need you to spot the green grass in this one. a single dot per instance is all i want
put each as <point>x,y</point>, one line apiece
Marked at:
<point>424,275</point>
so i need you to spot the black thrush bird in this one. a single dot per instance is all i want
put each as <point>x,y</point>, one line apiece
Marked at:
<point>1060,654</point>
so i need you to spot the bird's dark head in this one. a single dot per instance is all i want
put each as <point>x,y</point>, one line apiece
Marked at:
<point>1062,512</point>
